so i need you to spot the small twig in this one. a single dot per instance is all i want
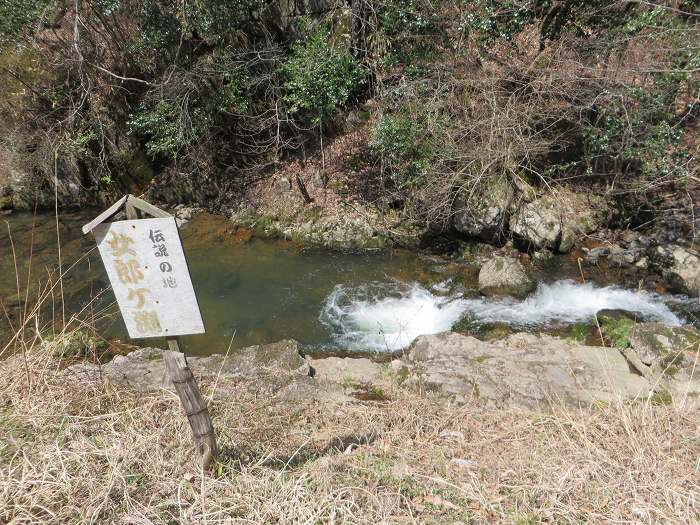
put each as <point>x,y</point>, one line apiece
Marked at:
<point>119,77</point>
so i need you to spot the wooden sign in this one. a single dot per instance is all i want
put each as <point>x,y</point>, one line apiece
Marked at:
<point>148,272</point>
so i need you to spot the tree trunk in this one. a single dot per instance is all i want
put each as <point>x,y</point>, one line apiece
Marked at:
<point>360,12</point>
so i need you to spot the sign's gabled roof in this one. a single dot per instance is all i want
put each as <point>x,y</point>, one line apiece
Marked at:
<point>125,201</point>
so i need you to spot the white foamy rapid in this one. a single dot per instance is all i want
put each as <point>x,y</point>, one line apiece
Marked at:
<point>572,303</point>
<point>387,317</point>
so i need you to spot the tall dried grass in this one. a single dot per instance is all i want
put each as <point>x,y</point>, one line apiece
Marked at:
<point>91,453</point>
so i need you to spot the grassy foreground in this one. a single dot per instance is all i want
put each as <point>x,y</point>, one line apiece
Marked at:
<point>76,453</point>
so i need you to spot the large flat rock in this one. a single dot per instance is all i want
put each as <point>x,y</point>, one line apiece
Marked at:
<point>272,369</point>
<point>524,370</point>
<point>345,369</point>
<point>668,355</point>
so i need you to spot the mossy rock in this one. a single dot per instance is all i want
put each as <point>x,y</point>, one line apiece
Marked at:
<point>616,329</point>
<point>495,331</point>
<point>579,332</point>
<point>466,324</point>
<point>669,350</point>
<point>79,344</point>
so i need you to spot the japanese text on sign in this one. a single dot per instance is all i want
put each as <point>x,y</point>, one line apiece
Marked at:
<point>147,268</point>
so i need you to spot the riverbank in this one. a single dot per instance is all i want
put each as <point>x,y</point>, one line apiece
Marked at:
<point>81,452</point>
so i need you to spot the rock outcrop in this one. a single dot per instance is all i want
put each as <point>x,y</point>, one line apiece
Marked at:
<point>352,227</point>
<point>538,222</point>
<point>523,370</point>
<point>505,276</point>
<point>274,369</point>
<point>680,267</point>
<point>556,221</point>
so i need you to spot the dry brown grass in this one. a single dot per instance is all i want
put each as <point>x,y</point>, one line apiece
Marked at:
<point>80,453</point>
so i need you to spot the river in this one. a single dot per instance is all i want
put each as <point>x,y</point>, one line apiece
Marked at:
<point>254,291</point>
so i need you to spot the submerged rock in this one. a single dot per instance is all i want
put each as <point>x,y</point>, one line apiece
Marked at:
<point>505,276</point>
<point>523,370</point>
<point>679,266</point>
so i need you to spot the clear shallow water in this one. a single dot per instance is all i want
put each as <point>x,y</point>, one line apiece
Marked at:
<point>253,291</point>
<point>250,291</point>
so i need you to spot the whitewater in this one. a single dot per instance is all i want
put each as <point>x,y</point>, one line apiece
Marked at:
<point>389,316</point>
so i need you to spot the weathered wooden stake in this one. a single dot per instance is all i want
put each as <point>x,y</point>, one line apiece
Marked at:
<point>185,385</point>
<point>192,401</point>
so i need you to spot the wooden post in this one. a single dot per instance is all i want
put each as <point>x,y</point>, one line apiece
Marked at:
<point>192,401</point>
<point>186,387</point>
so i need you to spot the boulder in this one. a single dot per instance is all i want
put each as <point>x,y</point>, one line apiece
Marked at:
<point>680,267</point>
<point>618,255</point>
<point>505,276</point>
<point>642,264</point>
<point>272,369</point>
<point>5,197</point>
<point>320,178</point>
<point>581,214</point>
<point>523,370</point>
<point>543,258</point>
<point>556,221</point>
<point>483,212</point>
<point>538,222</point>
<point>669,352</point>
<point>592,256</point>
<point>356,118</point>
<point>283,185</point>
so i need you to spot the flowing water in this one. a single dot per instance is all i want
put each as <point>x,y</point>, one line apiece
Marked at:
<point>388,316</point>
<point>255,291</point>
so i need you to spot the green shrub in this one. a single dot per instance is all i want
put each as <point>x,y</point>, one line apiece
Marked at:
<point>16,15</point>
<point>492,20</point>
<point>404,33</point>
<point>78,344</point>
<point>167,126</point>
<point>319,76</point>
<point>617,331</point>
